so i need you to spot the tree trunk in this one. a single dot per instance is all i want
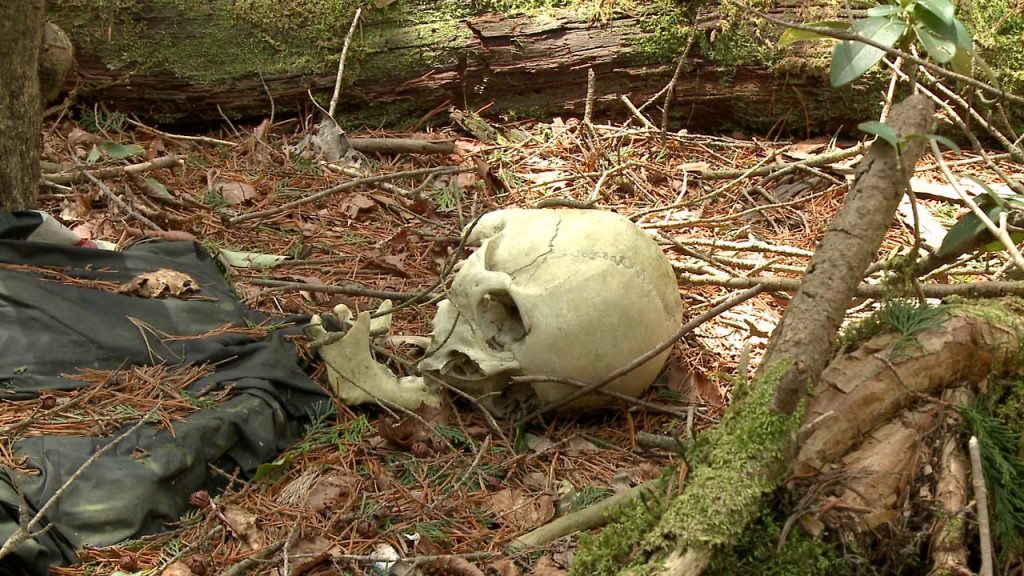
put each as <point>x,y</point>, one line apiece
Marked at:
<point>171,62</point>
<point>21,27</point>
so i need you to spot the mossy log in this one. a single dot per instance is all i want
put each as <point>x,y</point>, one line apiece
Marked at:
<point>168,60</point>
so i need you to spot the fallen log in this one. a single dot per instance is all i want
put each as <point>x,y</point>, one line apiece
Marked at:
<point>173,61</point>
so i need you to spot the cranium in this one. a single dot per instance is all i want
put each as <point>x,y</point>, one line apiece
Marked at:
<point>564,293</point>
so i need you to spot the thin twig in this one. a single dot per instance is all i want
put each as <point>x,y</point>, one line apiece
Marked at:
<point>981,502</point>
<point>346,186</point>
<point>341,62</point>
<point>114,199</point>
<point>588,109</point>
<point>670,88</point>
<point>76,176</point>
<point>637,114</point>
<point>350,289</point>
<point>169,136</point>
<point>973,290</point>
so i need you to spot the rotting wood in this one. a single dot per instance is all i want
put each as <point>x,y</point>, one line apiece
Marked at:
<point>875,384</point>
<point>513,65</point>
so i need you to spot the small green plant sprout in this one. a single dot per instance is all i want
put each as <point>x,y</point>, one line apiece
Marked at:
<point>909,319</point>
<point>970,233</point>
<point>895,24</point>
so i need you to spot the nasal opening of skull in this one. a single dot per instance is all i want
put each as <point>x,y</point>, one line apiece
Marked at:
<point>500,321</point>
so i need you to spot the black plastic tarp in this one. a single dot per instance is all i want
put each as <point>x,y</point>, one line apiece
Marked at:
<point>50,327</point>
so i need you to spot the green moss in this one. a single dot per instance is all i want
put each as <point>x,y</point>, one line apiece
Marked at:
<point>732,468</point>
<point>997,27</point>
<point>907,317</point>
<point>757,552</point>
<point>740,453</point>
<point>201,42</point>
<point>612,549</point>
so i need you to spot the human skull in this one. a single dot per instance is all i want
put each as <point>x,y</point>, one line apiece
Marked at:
<point>564,293</point>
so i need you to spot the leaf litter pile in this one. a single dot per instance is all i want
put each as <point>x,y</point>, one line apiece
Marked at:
<point>446,492</point>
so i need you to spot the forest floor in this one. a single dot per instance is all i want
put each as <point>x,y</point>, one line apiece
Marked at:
<point>354,485</point>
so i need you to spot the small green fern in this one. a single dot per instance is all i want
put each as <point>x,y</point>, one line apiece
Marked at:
<point>910,319</point>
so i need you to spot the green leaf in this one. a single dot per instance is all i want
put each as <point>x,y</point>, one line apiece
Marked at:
<point>970,233</point>
<point>943,9</point>
<point>851,59</point>
<point>119,151</point>
<point>938,38</point>
<point>94,155</point>
<point>158,186</point>
<point>792,35</point>
<point>963,36</point>
<point>883,10</point>
<point>944,141</point>
<point>271,470</point>
<point>963,60</point>
<point>881,130</point>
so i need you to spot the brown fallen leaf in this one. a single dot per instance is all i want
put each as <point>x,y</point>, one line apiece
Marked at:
<point>243,525</point>
<point>234,193</point>
<point>504,567</point>
<point>332,492</point>
<point>455,566</point>
<point>308,553</point>
<point>519,511</point>
<point>159,283</point>
<point>178,569</point>
<point>354,203</point>
<point>546,567</point>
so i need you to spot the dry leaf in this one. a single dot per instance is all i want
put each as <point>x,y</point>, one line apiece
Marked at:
<point>354,203</point>
<point>807,148</point>
<point>332,492</point>
<point>455,566</point>
<point>520,512</point>
<point>577,446</point>
<point>466,180</point>
<point>692,385</point>
<point>504,567</point>
<point>78,136</point>
<point>243,525</point>
<point>159,283</point>
<point>538,444</point>
<point>307,553</point>
<point>178,569</point>
<point>546,567</point>
<point>234,193</point>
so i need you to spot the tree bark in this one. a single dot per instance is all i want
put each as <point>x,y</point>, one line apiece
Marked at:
<point>21,28</point>
<point>809,326</point>
<point>401,67</point>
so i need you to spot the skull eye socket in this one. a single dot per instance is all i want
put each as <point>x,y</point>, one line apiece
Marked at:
<point>500,321</point>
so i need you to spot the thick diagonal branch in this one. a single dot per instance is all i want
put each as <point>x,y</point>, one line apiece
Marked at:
<point>812,319</point>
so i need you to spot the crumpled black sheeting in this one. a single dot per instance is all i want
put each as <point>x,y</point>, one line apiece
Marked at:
<point>49,328</point>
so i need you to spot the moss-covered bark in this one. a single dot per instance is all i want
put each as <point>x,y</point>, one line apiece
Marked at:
<point>182,59</point>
